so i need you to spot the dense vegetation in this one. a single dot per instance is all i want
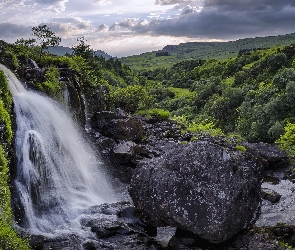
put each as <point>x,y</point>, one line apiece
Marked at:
<point>8,237</point>
<point>251,94</point>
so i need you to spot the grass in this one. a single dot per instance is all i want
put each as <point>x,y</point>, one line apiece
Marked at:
<point>203,50</point>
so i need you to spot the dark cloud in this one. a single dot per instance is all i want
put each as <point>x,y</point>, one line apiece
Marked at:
<point>9,30</point>
<point>50,2</point>
<point>170,2</point>
<point>226,19</point>
<point>248,4</point>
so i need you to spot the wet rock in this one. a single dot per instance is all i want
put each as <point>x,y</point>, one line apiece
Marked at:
<point>113,226</point>
<point>262,238</point>
<point>65,242</point>
<point>205,187</point>
<point>270,195</point>
<point>117,126</point>
<point>270,155</point>
<point>117,227</point>
<point>124,152</point>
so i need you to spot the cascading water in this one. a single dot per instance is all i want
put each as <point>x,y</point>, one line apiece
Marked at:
<point>58,173</point>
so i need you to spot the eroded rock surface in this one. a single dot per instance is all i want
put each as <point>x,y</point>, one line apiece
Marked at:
<point>205,187</point>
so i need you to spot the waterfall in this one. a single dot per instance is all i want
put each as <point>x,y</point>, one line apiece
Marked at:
<point>58,175</point>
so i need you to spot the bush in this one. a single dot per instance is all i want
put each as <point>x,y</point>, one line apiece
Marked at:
<point>286,141</point>
<point>207,128</point>
<point>131,98</point>
<point>52,86</point>
<point>155,112</point>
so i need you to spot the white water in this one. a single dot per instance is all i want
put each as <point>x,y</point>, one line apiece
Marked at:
<point>58,174</point>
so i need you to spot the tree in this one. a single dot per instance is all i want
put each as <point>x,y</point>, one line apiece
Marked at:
<point>25,42</point>
<point>46,37</point>
<point>83,49</point>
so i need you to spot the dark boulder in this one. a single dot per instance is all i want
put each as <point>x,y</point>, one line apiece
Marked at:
<point>270,155</point>
<point>118,126</point>
<point>206,187</point>
<point>270,195</point>
<point>124,152</point>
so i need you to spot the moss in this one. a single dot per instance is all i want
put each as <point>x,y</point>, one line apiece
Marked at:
<point>207,128</point>
<point>155,112</point>
<point>51,86</point>
<point>5,95</point>
<point>8,237</point>
<point>6,121</point>
<point>241,148</point>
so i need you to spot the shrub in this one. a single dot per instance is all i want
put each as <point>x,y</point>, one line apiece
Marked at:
<point>207,128</point>
<point>286,141</point>
<point>155,112</point>
<point>52,86</point>
<point>131,98</point>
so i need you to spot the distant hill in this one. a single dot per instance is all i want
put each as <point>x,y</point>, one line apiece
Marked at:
<point>61,51</point>
<point>172,54</point>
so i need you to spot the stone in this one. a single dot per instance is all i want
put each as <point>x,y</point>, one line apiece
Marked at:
<point>270,155</point>
<point>117,126</point>
<point>206,187</point>
<point>270,195</point>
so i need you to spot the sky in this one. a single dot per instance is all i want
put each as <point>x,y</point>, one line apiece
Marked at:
<point>129,27</point>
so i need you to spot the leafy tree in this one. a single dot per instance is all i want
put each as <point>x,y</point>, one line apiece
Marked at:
<point>46,37</point>
<point>131,98</point>
<point>25,42</point>
<point>83,49</point>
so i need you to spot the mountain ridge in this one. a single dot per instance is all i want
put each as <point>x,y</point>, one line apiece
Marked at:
<point>61,51</point>
<point>172,54</point>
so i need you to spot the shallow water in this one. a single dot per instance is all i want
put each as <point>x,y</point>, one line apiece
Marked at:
<point>284,210</point>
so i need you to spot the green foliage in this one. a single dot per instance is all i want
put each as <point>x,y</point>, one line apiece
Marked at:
<point>9,240</point>
<point>131,98</point>
<point>4,91</point>
<point>46,37</point>
<point>207,128</point>
<point>241,148</point>
<point>83,49</point>
<point>286,141</point>
<point>51,86</point>
<point>155,112</point>
<point>281,79</point>
<point>217,50</point>
<point>6,121</point>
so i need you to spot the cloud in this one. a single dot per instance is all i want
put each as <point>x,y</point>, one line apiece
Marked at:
<point>171,2</point>
<point>56,6</point>
<point>103,28</point>
<point>103,2</point>
<point>70,27</point>
<point>226,19</point>
<point>11,32</point>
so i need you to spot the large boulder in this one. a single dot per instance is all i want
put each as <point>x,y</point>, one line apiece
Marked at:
<point>206,187</point>
<point>118,126</point>
<point>270,155</point>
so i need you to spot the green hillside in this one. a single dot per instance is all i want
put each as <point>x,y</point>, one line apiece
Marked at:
<point>171,54</point>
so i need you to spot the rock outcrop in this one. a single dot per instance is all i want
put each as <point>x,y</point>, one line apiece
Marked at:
<point>270,155</point>
<point>205,187</point>
<point>118,125</point>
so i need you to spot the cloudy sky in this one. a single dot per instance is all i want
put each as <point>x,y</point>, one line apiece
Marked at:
<point>127,27</point>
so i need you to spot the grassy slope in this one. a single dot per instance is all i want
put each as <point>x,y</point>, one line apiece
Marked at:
<point>204,50</point>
